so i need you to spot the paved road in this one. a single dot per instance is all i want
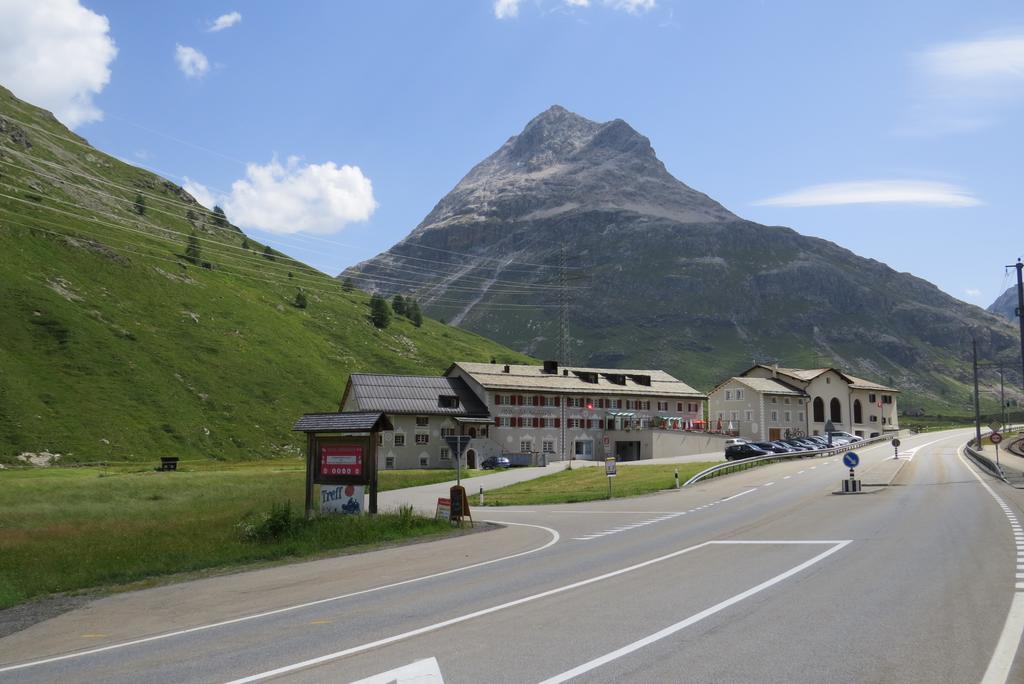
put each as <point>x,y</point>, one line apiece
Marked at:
<point>763,576</point>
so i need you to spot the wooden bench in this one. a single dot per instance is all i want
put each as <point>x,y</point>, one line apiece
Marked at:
<point>168,463</point>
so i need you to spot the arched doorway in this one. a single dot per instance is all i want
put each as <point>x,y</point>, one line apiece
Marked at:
<point>819,410</point>
<point>835,411</point>
<point>858,413</point>
<point>471,458</point>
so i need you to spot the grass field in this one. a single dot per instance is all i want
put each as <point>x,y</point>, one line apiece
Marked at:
<point>67,529</point>
<point>590,483</point>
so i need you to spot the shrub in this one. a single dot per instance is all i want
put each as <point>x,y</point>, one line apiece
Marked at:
<point>269,526</point>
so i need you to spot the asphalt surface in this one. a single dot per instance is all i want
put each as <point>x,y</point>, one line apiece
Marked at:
<point>763,576</point>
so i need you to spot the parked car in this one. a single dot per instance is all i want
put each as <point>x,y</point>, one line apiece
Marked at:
<point>492,462</point>
<point>734,440</point>
<point>745,450</point>
<point>789,448</point>
<point>799,446</point>
<point>772,447</point>
<point>845,435</point>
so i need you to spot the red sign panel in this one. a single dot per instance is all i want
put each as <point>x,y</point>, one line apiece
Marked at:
<point>341,459</point>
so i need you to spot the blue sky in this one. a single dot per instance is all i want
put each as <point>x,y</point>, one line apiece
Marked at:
<point>330,129</point>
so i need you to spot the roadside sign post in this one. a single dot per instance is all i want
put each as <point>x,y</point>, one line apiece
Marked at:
<point>677,478</point>
<point>996,439</point>
<point>851,486</point>
<point>609,471</point>
<point>896,448</point>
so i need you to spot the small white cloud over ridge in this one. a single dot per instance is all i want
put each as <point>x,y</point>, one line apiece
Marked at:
<point>56,54</point>
<point>225,21</point>
<point>200,192</point>
<point>875,192</point>
<point>300,198</point>
<point>973,292</point>
<point>506,9</point>
<point>192,62</point>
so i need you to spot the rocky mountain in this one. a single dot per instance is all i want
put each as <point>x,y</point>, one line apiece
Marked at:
<point>660,275</point>
<point>135,323</point>
<point>1006,304</point>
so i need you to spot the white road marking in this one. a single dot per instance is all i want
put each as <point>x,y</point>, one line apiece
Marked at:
<point>245,618</point>
<point>787,477</point>
<point>768,484</point>
<point>998,671</point>
<point>421,672</point>
<point>836,545</point>
<point>736,496</point>
<point>801,472</point>
<point>693,619</point>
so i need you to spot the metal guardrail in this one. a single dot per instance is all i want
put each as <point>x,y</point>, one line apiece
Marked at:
<point>984,461</point>
<point>756,461</point>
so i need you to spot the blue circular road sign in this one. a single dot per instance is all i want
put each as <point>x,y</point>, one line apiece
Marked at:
<point>850,459</point>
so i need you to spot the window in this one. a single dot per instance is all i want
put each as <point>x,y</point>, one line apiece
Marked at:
<point>447,432</point>
<point>692,408</point>
<point>498,400</point>
<point>871,398</point>
<point>786,400</point>
<point>389,462</point>
<point>739,394</point>
<point>788,416</point>
<point>750,416</point>
<point>548,446</point>
<point>886,399</point>
<point>775,400</point>
<point>647,406</point>
<point>448,401</point>
<point>422,438</point>
<point>775,416</point>
<point>380,439</point>
<point>399,439</point>
<point>526,446</point>
<point>424,461</point>
<point>835,411</point>
<point>663,406</point>
<point>445,454</point>
<point>858,416</point>
<point>728,395</point>
<point>733,417</point>
<point>422,421</point>
<point>872,419</point>
<point>800,416</point>
<point>679,407</point>
<point>819,410</point>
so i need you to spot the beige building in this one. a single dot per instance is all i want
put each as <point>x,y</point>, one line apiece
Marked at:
<point>767,402</point>
<point>585,413</point>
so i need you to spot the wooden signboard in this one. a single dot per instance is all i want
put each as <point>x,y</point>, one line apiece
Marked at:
<point>459,505</point>
<point>343,460</point>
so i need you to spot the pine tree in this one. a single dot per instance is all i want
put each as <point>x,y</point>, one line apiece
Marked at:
<point>398,305</point>
<point>140,204</point>
<point>192,249</point>
<point>300,299</point>
<point>219,218</point>
<point>412,308</point>
<point>268,253</point>
<point>380,312</point>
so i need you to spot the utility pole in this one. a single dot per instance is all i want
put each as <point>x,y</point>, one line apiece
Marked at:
<point>1020,311</point>
<point>977,405</point>
<point>563,333</point>
<point>1002,397</point>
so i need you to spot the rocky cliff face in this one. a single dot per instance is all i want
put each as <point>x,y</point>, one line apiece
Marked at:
<point>660,275</point>
<point>1006,304</point>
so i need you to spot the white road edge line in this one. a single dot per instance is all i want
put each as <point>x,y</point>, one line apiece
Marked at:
<point>998,670</point>
<point>544,594</point>
<point>245,618</point>
<point>736,496</point>
<point>693,619</point>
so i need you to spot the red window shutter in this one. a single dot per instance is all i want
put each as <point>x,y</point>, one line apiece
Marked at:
<point>558,401</point>
<point>600,423</point>
<point>590,423</point>
<point>558,422</point>
<point>618,403</point>
<point>497,421</point>
<point>519,399</point>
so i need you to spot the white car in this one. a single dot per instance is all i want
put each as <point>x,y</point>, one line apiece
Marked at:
<point>732,441</point>
<point>845,435</point>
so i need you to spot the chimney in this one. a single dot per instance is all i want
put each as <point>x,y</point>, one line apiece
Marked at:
<point>506,369</point>
<point>550,368</point>
<point>775,370</point>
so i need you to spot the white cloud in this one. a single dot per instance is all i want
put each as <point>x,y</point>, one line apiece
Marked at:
<point>296,197</point>
<point>56,54</point>
<point>973,292</point>
<point>225,21</point>
<point>631,6</point>
<point>200,192</point>
<point>876,192</point>
<point>506,9</point>
<point>578,3</point>
<point>192,62</point>
<point>967,85</point>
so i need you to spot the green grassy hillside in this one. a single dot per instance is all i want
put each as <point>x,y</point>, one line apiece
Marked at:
<point>117,346</point>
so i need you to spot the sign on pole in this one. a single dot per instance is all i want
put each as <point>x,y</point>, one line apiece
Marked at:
<point>995,426</point>
<point>609,466</point>
<point>851,460</point>
<point>996,438</point>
